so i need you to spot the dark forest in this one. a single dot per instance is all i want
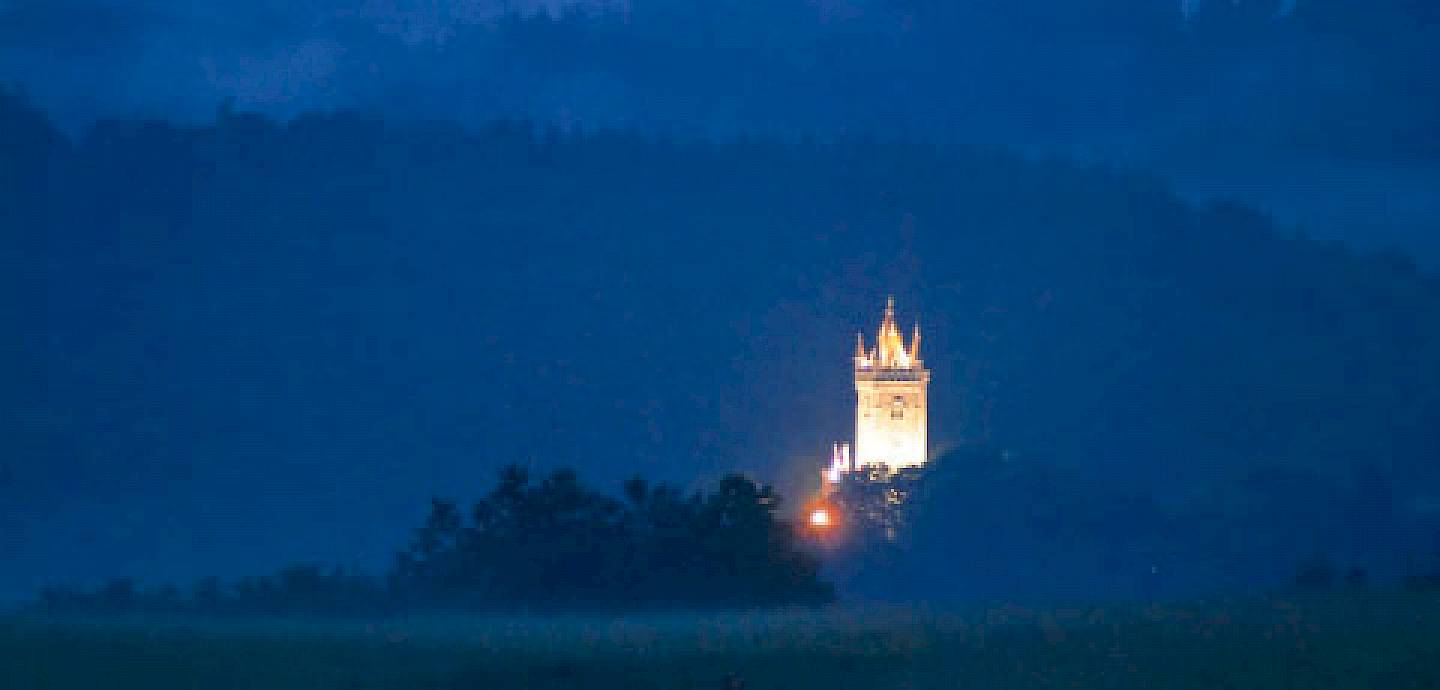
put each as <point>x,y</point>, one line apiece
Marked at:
<point>344,309</point>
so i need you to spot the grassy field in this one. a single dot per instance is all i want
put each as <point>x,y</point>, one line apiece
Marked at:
<point>1360,641</point>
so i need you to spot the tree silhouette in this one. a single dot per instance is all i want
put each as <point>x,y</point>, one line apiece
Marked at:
<point>556,543</point>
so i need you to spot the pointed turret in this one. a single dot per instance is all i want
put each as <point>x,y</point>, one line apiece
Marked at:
<point>891,409</point>
<point>890,346</point>
<point>890,350</point>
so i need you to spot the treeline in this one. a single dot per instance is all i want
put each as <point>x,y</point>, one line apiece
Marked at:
<point>1255,75</point>
<point>1250,74</point>
<point>552,544</point>
<point>337,286</point>
<point>556,543</point>
<point>991,524</point>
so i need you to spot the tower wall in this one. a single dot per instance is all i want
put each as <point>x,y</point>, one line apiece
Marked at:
<point>891,418</point>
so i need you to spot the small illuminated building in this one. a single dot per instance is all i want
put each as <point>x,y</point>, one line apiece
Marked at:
<point>890,407</point>
<point>891,428</point>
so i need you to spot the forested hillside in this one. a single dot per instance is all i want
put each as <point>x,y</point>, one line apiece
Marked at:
<point>324,302</point>
<point>1350,78</point>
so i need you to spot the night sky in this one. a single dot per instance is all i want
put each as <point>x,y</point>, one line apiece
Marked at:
<point>267,365</point>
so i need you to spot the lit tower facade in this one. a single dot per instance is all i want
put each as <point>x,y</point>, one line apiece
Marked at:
<point>891,382</point>
<point>871,487</point>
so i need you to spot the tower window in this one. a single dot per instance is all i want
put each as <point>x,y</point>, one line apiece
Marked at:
<point>897,407</point>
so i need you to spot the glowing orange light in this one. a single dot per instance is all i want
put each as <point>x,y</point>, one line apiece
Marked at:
<point>820,518</point>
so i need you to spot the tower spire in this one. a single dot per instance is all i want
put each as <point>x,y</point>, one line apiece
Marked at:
<point>889,345</point>
<point>915,342</point>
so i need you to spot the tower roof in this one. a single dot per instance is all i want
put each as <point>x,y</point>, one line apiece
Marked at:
<point>890,350</point>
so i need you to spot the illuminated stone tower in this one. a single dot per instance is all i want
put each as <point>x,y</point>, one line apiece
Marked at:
<point>891,410</point>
